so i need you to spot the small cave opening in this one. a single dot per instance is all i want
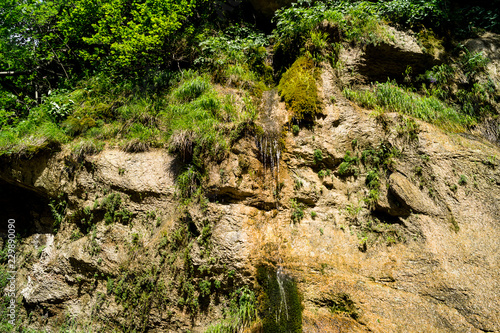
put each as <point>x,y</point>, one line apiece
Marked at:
<point>387,218</point>
<point>29,209</point>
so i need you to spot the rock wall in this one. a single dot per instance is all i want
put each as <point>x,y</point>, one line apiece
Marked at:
<point>420,254</point>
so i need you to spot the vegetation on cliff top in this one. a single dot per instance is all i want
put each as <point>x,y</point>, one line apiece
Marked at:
<point>106,80</point>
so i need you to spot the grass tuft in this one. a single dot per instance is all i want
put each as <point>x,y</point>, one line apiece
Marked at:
<point>84,147</point>
<point>391,97</point>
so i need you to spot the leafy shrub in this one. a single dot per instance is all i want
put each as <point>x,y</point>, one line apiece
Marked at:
<point>411,13</point>
<point>58,105</point>
<point>111,205</point>
<point>314,28</point>
<point>316,45</point>
<point>373,179</point>
<point>473,62</point>
<point>372,197</point>
<point>462,20</point>
<point>297,211</point>
<point>381,157</point>
<point>475,96</point>
<point>58,210</point>
<point>347,167</point>
<point>238,48</point>
<point>205,286</point>
<point>318,156</point>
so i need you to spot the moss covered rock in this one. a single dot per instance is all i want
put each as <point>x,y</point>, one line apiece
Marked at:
<point>298,89</point>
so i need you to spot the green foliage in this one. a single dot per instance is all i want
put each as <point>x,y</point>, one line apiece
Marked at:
<point>242,311</point>
<point>113,213</point>
<point>193,118</point>
<point>135,238</point>
<point>76,235</point>
<point>138,292</point>
<point>463,180</point>
<point>461,19</point>
<point>477,17</point>
<point>236,56</point>
<point>94,247</point>
<point>381,157</point>
<point>297,211</point>
<point>309,27</point>
<point>202,128</point>
<point>205,236</point>
<point>373,179</point>
<point>477,101</point>
<point>348,166</point>
<point>377,159</point>
<point>372,198</point>
<point>391,97</point>
<point>188,182</point>
<point>191,89</point>
<point>110,285</point>
<point>298,89</point>
<point>58,210</point>
<point>84,218</point>
<point>490,161</point>
<point>473,62</point>
<point>414,13</point>
<point>205,287</point>
<point>295,130</point>
<point>51,44</point>
<point>128,34</point>
<point>323,173</point>
<point>475,96</point>
<point>318,156</point>
<point>32,135</point>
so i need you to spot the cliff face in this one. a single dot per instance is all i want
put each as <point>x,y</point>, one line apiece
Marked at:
<point>380,222</point>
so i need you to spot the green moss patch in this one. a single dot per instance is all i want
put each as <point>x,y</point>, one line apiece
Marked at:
<point>298,89</point>
<point>280,301</point>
